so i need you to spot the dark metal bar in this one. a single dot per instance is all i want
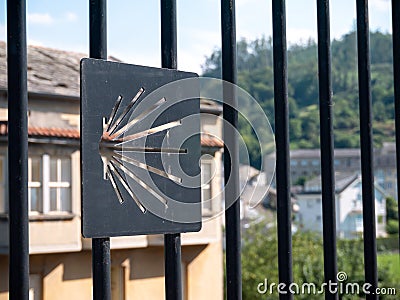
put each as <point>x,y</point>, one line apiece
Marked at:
<point>231,156</point>
<point>282,145</point>
<point>169,53</point>
<point>101,256</point>
<point>101,268</point>
<point>172,242</point>
<point>98,29</point>
<point>396,73</point>
<point>327,146</point>
<point>367,162</point>
<point>18,150</point>
<point>173,271</point>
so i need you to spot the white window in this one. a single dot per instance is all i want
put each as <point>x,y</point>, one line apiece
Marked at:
<point>35,184</point>
<point>49,184</point>
<point>60,184</point>
<point>206,176</point>
<point>310,203</point>
<point>315,162</point>
<point>359,221</point>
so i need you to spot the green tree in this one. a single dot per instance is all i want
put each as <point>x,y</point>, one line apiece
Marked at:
<point>255,75</point>
<point>392,212</point>
<point>260,262</point>
<point>392,216</point>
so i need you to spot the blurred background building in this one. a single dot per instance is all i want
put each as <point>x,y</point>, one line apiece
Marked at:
<point>60,259</point>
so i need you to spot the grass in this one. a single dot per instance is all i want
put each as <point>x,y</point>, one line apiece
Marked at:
<point>392,261</point>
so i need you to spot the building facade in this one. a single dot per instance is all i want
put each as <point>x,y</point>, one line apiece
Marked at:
<point>348,201</point>
<point>306,164</point>
<point>60,259</point>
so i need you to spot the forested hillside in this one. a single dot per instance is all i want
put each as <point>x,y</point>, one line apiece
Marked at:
<point>255,75</point>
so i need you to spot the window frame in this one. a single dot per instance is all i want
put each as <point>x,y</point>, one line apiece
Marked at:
<point>59,184</point>
<point>207,207</point>
<point>46,185</point>
<point>35,185</point>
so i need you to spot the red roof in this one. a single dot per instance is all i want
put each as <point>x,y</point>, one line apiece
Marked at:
<point>45,132</point>
<point>207,140</point>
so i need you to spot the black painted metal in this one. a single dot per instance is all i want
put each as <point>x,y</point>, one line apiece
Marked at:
<point>231,158</point>
<point>327,153</point>
<point>101,257</point>
<point>364,84</point>
<point>172,242</point>
<point>396,71</point>
<point>173,269</point>
<point>136,204</point>
<point>282,145</point>
<point>101,268</point>
<point>169,54</point>
<point>18,150</point>
<point>18,146</point>
<point>98,29</point>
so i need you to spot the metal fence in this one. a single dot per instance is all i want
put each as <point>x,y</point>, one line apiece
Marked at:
<point>18,145</point>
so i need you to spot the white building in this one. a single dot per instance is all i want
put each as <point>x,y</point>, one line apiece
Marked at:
<point>306,163</point>
<point>348,195</point>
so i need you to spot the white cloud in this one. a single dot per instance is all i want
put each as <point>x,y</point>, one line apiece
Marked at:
<point>381,5</point>
<point>71,17</point>
<point>194,45</point>
<point>300,35</point>
<point>39,18</point>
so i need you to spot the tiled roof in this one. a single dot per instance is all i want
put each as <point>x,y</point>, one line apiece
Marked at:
<point>45,132</point>
<point>342,181</point>
<point>207,140</point>
<point>49,70</point>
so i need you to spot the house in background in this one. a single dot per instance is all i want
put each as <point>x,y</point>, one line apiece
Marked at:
<point>348,197</point>
<point>258,199</point>
<point>60,259</point>
<point>306,163</point>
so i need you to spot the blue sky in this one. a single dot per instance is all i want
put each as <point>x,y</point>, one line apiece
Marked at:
<point>134,26</point>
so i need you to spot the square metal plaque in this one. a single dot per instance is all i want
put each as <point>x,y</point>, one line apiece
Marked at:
<point>140,150</point>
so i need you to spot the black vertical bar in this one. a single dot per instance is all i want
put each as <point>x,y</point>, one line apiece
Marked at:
<point>18,149</point>
<point>396,73</point>
<point>101,268</point>
<point>231,156</point>
<point>173,271</point>
<point>169,53</point>
<point>172,242</point>
<point>101,257</point>
<point>98,29</point>
<point>327,146</point>
<point>367,162</point>
<point>282,145</point>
